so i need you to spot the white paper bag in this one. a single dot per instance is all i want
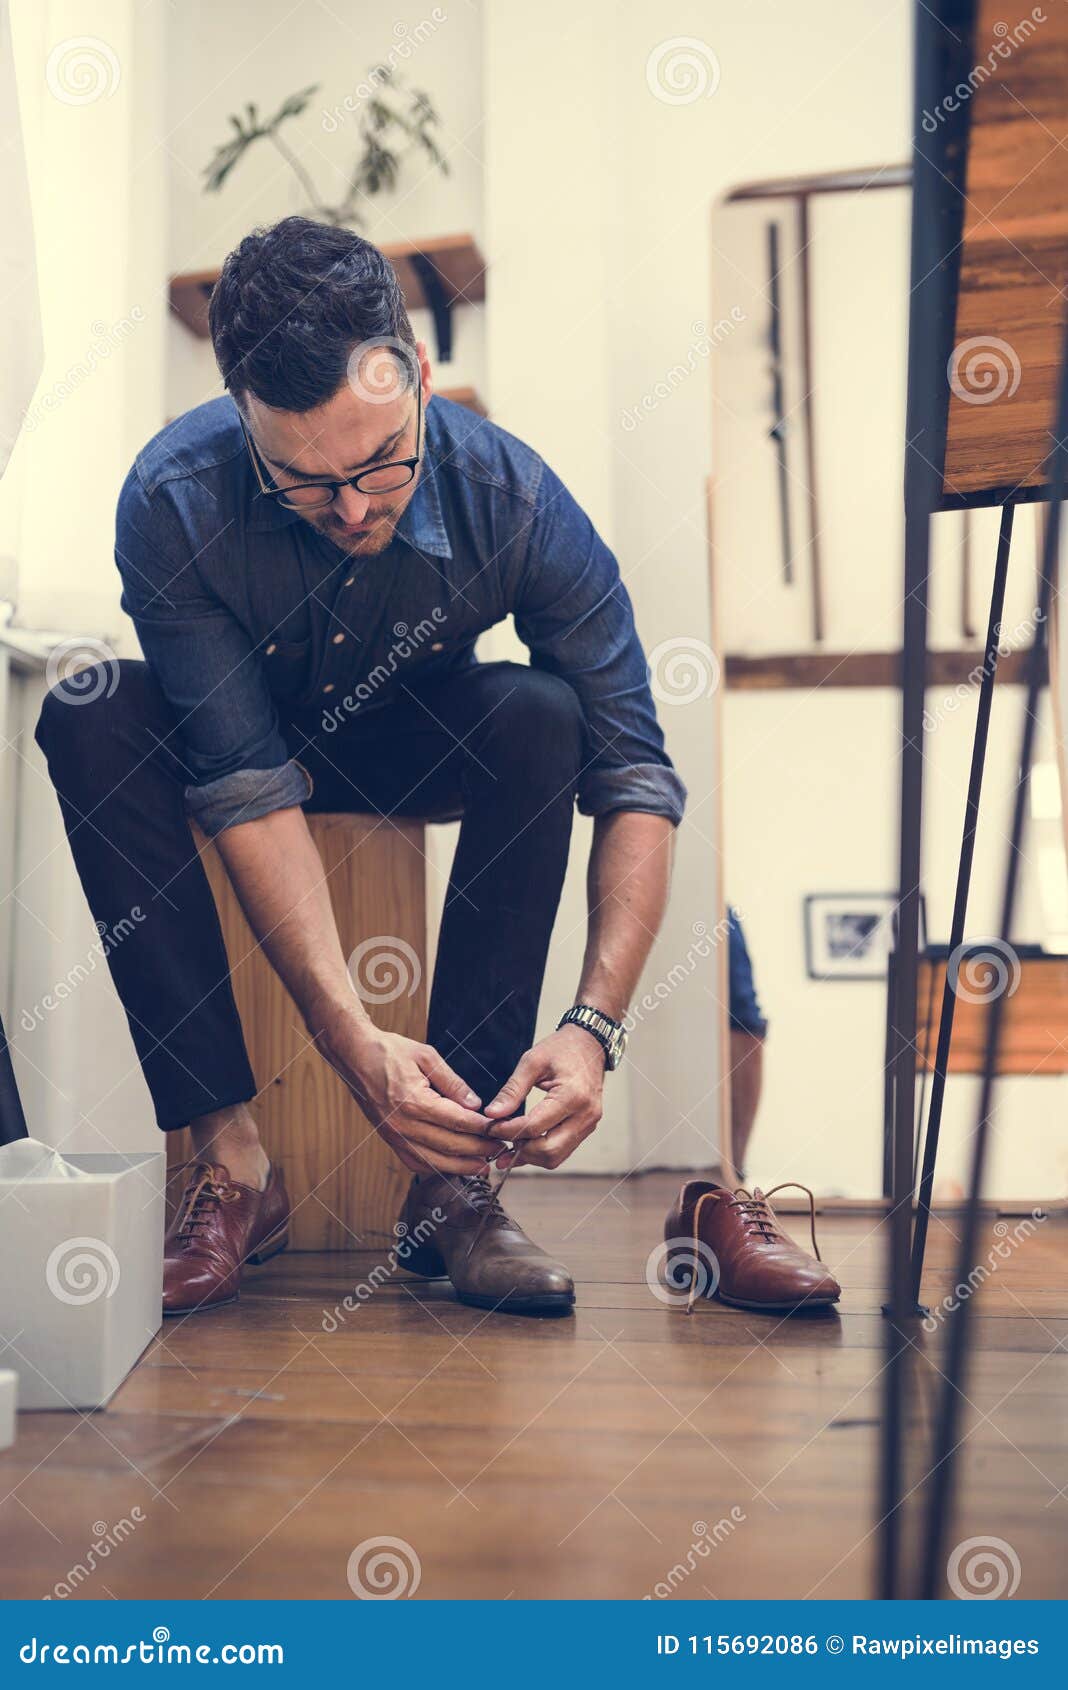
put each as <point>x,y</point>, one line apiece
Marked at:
<point>81,1270</point>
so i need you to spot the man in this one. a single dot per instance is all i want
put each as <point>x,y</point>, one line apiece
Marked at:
<point>279,548</point>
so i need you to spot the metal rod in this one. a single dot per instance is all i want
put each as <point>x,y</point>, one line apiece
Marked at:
<point>804,236</point>
<point>947,1436</point>
<point>960,901</point>
<point>779,425</point>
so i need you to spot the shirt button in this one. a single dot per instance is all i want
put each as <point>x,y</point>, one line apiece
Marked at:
<point>338,638</point>
<point>437,646</point>
<point>329,687</point>
<point>271,649</point>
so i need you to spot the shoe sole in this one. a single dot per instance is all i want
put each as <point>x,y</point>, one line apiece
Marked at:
<point>548,1302</point>
<point>270,1247</point>
<point>814,1302</point>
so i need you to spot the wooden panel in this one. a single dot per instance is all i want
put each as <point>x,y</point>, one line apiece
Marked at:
<point>542,1459</point>
<point>346,1186</point>
<point>456,258</point>
<point>807,669</point>
<point>1014,258</point>
<point>1034,1038</point>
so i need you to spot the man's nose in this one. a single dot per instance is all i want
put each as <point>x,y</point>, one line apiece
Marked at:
<point>351,506</point>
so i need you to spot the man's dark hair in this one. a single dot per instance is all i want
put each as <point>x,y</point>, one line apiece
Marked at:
<point>291,304</point>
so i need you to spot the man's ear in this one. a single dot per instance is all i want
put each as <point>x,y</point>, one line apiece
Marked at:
<point>426,374</point>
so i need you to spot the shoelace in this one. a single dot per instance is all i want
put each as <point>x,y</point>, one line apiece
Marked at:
<point>759,1218</point>
<point>477,1192</point>
<point>203,1193</point>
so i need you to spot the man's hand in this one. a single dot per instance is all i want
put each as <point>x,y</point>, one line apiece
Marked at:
<point>569,1067</point>
<point>425,1112</point>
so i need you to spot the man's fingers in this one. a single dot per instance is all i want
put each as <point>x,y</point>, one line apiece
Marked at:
<point>556,1146</point>
<point>547,1113</point>
<point>446,1080</point>
<point>428,1106</point>
<point>527,1072</point>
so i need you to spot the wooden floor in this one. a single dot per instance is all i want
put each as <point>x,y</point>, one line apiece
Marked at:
<point>252,1450</point>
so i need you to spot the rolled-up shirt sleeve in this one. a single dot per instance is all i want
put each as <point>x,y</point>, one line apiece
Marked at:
<point>210,672</point>
<point>574,613</point>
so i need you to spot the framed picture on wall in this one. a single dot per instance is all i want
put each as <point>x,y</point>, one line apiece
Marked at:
<point>849,935</point>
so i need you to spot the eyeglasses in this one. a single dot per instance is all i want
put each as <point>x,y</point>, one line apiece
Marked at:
<point>315,495</point>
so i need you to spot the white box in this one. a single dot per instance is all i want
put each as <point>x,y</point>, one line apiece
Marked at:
<point>81,1270</point>
<point>7,1409</point>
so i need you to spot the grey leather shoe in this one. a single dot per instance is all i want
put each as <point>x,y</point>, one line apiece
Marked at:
<point>443,1215</point>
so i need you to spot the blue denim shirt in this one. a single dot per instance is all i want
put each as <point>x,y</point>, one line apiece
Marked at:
<point>239,604</point>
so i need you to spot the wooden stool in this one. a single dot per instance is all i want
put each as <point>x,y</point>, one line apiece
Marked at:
<point>346,1186</point>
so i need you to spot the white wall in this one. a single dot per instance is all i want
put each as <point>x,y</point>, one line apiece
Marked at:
<point>91,115</point>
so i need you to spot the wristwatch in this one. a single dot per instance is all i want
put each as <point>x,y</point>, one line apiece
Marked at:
<point>612,1035</point>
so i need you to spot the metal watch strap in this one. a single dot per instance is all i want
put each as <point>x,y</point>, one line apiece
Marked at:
<point>608,1033</point>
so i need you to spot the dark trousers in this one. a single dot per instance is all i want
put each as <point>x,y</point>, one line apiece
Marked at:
<point>498,742</point>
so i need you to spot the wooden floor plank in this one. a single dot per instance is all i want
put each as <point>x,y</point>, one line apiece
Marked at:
<point>254,1447</point>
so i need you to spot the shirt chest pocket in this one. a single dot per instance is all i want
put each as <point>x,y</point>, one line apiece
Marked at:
<point>286,664</point>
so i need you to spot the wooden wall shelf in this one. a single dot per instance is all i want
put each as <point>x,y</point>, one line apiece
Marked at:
<point>1034,1035</point>
<point>808,669</point>
<point>435,275</point>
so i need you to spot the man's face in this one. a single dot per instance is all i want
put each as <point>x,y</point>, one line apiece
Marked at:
<point>367,423</point>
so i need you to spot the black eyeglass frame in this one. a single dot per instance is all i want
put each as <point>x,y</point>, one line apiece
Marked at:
<point>278,494</point>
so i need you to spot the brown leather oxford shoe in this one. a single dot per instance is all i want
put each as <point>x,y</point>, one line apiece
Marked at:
<point>455,1225</point>
<point>219,1226</point>
<point>729,1244</point>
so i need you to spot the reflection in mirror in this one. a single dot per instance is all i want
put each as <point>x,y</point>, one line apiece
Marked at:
<point>809,401</point>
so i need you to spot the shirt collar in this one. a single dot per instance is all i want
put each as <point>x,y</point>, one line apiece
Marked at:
<point>422,523</point>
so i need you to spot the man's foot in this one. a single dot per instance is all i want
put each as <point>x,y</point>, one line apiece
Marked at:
<point>729,1244</point>
<point>454,1225</point>
<point>220,1225</point>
